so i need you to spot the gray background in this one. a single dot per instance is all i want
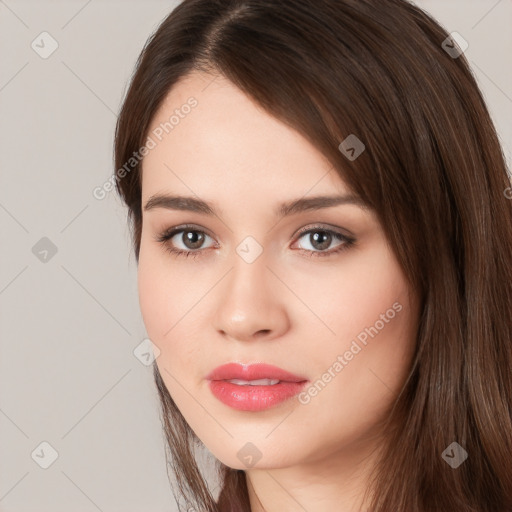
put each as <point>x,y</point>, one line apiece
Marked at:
<point>70,321</point>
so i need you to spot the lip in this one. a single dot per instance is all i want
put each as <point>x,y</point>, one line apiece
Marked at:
<point>253,398</point>
<point>252,372</point>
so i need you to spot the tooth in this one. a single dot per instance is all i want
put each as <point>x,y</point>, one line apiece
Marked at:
<point>259,382</point>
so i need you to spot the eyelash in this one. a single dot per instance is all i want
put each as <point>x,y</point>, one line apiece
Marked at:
<point>169,233</point>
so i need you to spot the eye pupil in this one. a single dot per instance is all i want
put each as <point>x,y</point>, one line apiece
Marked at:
<point>194,238</point>
<point>324,239</point>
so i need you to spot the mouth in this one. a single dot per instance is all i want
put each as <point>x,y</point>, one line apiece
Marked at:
<point>259,382</point>
<point>254,387</point>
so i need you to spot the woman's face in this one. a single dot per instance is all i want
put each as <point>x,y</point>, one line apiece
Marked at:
<point>254,289</point>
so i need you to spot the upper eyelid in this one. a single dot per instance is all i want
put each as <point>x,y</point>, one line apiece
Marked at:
<point>179,229</point>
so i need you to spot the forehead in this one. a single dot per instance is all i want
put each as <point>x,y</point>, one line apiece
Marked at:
<point>227,141</point>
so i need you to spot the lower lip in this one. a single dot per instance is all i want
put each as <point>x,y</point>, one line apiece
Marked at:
<point>254,398</point>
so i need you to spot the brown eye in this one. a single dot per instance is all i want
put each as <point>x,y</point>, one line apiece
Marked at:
<point>183,241</point>
<point>193,239</point>
<point>320,240</point>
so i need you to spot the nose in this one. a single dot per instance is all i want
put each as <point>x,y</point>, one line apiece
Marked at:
<point>251,303</point>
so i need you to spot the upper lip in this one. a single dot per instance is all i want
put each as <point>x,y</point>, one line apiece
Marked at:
<point>252,372</point>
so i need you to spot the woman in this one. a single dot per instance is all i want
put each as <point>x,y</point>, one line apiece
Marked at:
<point>324,245</point>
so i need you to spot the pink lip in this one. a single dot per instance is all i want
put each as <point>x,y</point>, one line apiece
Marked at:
<point>252,372</point>
<point>253,398</point>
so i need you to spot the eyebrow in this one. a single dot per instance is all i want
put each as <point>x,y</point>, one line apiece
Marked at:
<point>192,204</point>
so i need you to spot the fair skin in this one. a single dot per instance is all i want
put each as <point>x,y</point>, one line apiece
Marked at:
<point>286,308</point>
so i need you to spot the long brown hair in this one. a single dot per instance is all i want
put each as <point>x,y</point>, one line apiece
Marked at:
<point>435,174</point>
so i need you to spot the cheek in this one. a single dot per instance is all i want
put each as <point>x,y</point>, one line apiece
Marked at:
<point>371,322</point>
<point>167,300</point>
<point>162,296</point>
<point>380,317</point>
<point>374,299</point>
<point>350,397</point>
<point>348,297</point>
<point>163,291</point>
<point>153,298</point>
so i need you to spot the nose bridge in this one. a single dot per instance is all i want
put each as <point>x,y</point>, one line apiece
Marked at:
<point>249,305</point>
<point>249,273</point>
<point>247,283</point>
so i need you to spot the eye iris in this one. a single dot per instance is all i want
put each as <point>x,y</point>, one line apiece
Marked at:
<point>194,238</point>
<point>324,237</point>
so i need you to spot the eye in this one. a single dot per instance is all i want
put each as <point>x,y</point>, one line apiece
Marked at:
<point>321,238</point>
<point>192,240</point>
